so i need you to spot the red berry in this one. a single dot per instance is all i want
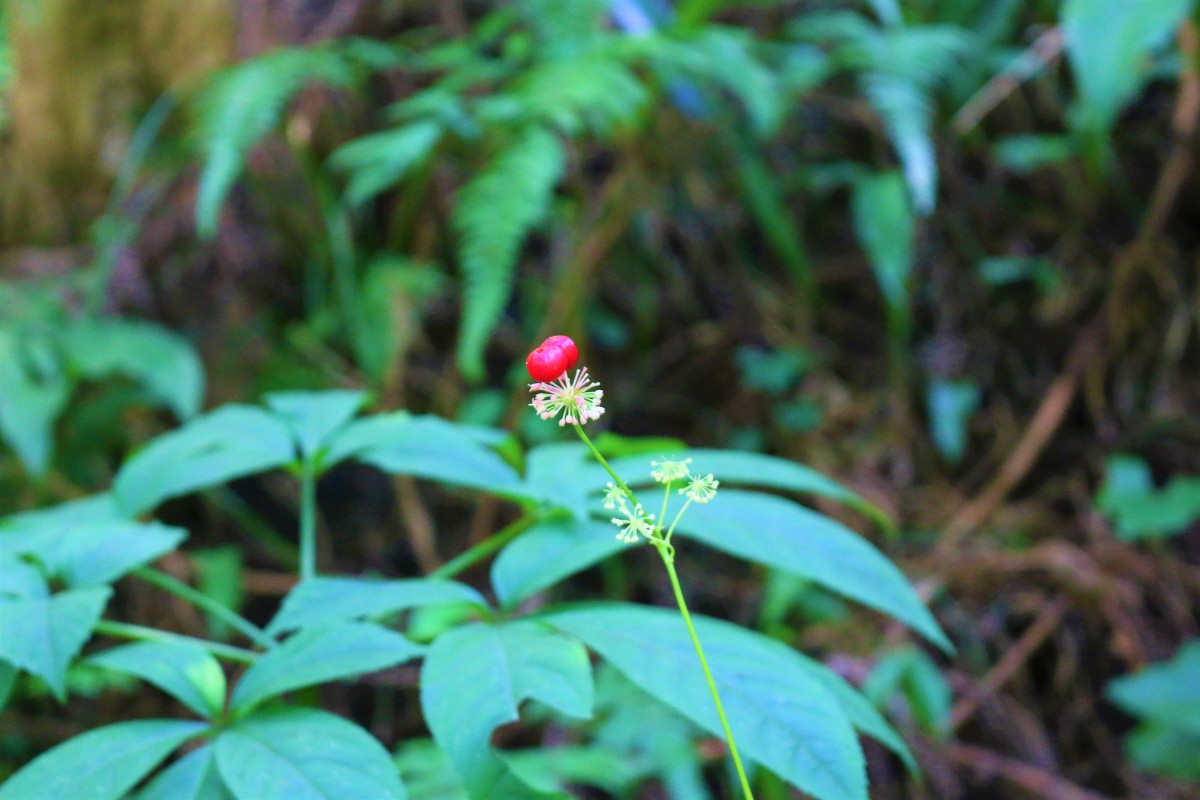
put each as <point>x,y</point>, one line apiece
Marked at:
<point>567,346</point>
<point>546,363</point>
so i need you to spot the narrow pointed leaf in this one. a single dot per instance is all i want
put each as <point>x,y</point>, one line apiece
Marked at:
<point>184,670</point>
<point>320,601</point>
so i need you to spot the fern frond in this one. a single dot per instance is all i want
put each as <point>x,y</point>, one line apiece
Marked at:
<point>494,213</point>
<point>565,30</point>
<point>595,93</point>
<point>243,104</point>
<point>723,59</point>
<point>379,161</point>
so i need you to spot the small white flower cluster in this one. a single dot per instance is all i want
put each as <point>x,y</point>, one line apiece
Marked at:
<point>577,399</point>
<point>634,522</point>
<point>699,489</point>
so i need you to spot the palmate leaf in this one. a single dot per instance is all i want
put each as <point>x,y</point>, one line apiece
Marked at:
<point>243,104</point>
<point>494,213</point>
<point>43,634</point>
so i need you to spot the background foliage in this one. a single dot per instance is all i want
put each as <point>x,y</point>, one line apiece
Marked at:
<point>939,250</point>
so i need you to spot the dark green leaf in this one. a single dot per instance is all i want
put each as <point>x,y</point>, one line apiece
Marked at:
<point>884,224</point>
<point>781,715</point>
<point>548,552</point>
<point>473,681</point>
<point>30,403</point>
<point>193,777</point>
<point>181,669</point>
<point>318,655</point>
<point>1166,692</point>
<point>232,442</point>
<point>320,601</point>
<point>315,417</point>
<point>89,554</point>
<point>102,764</point>
<point>162,361</point>
<point>304,754</point>
<point>779,533</point>
<point>43,634</point>
<point>951,404</point>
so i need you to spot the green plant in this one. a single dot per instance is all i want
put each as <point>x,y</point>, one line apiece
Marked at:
<point>788,713</point>
<point>1139,510</point>
<point>1165,697</point>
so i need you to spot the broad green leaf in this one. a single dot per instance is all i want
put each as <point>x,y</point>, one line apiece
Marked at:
<point>19,579</point>
<point>94,508</point>
<point>1139,510</point>
<point>1108,43</point>
<point>160,360</point>
<point>219,576</point>
<point>732,468</point>
<point>102,764</point>
<point>781,715</point>
<point>315,417</point>
<point>550,769</point>
<point>549,551</point>
<point>320,601</point>
<point>193,777</point>
<point>32,399</point>
<point>91,554</point>
<point>782,534</point>
<point>318,655</point>
<point>911,674</point>
<point>184,670</point>
<point>883,222</point>
<point>564,474</point>
<point>1166,749</point>
<point>428,447</point>
<point>473,681</point>
<point>304,754</point>
<point>43,634</point>
<point>232,442</point>
<point>427,772</point>
<point>1165,692</point>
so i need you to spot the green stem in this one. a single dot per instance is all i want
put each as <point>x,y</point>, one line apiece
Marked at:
<point>484,549</point>
<point>669,563</point>
<point>308,522</point>
<point>140,633</point>
<point>666,551</point>
<point>205,603</point>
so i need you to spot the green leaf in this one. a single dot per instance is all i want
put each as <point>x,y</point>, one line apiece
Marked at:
<point>951,405</point>
<point>473,681</point>
<point>182,669</point>
<point>1108,43</point>
<point>193,777</point>
<point>90,554</point>
<point>43,634</point>
<point>304,754</point>
<point>428,447</point>
<point>317,602</point>
<point>492,216</point>
<point>884,224</point>
<point>911,674</point>
<point>159,359</point>
<point>1166,692</point>
<point>377,162</point>
<point>779,533</point>
<point>242,105</point>
<point>1165,749</point>
<point>8,679</point>
<point>18,578</point>
<point>315,417</point>
<point>596,93</point>
<point>102,764</point>
<point>232,442</point>
<point>780,714</point>
<point>319,655</point>
<point>1027,153</point>
<point>427,772</point>
<point>549,551</point>
<point>219,573</point>
<point>31,401</point>
<point>1137,509</point>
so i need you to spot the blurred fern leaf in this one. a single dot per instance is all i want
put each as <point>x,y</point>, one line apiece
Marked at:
<point>381,160</point>
<point>494,213</point>
<point>243,104</point>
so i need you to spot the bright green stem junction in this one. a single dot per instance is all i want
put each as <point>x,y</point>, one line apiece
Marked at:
<point>667,552</point>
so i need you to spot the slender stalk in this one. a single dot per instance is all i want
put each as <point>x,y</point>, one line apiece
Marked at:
<point>669,563</point>
<point>205,603</point>
<point>140,633</point>
<point>667,553</point>
<point>484,549</point>
<point>308,522</point>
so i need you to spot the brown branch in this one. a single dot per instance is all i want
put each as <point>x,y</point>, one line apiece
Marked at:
<point>1045,49</point>
<point>1035,780</point>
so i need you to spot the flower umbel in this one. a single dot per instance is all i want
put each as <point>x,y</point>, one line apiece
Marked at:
<point>637,523</point>
<point>701,489</point>
<point>575,400</point>
<point>613,496</point>
<point>668,471</point>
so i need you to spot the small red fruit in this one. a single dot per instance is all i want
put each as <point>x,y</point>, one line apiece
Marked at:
<point>566,345</point>
<point>547,363</point>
